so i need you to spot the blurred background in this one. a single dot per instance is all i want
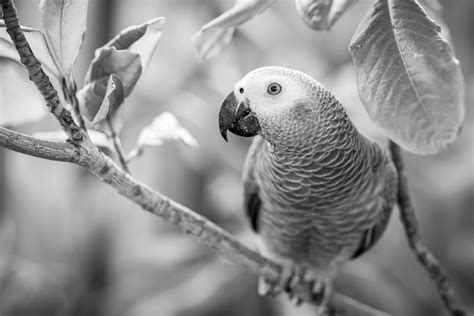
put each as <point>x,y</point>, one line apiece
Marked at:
<point>70,245</point>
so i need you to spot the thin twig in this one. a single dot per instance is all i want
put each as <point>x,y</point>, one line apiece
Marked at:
<point>118,147</point>
<point>120,152</point>
<point>407,214</point>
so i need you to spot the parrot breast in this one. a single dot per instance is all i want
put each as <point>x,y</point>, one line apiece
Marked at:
<point>321,186</point>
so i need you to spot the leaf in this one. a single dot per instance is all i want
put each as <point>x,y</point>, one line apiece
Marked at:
<point>38,45</point>
<point>141,39</point>
<point>108,60</point>
<point>409,80</point>
<point>112,100</point>
<point>217,34</point>
<point>165,127</point>
<point>321,15</point>
<point>64,22</point>
<point>20,101</point>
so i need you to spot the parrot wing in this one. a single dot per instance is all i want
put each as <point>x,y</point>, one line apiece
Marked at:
<point>373,234</point>
<point>252,201</point>
<point>387,172</point>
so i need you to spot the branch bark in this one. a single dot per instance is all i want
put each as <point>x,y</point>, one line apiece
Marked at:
<point>59,151</point>
<point>407,214</point>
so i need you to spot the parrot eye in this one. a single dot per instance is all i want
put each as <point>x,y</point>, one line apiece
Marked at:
<point>274,88</point>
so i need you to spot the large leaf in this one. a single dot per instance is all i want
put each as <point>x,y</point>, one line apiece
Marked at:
<point>217,34</point>
<point>20,101</point>
<point>124,64</point>
<point>64,22</point>
<point>409,79</point>
<point>38,45</point>
<point>141,39</point>
<point>322,14</point>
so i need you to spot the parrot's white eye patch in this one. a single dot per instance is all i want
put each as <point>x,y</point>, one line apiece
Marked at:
<point>274,88</point>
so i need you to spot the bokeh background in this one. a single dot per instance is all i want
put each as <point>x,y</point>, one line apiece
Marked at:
<point>69,245</point>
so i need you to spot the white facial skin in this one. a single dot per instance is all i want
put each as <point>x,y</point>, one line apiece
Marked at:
<point>261,101</point>
<point>295,86</point>
<point>276,110</point>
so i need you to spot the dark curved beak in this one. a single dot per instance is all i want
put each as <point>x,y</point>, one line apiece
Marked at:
<point>237,118</point>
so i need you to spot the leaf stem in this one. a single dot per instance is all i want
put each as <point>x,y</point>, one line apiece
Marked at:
<point>118,147</point>
<point>70,93</point>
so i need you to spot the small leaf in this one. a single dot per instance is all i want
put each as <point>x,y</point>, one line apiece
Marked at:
<point>20,101</point>
<point>141,39</point>
<point>409,80</point>
<point>321,15</point>
<point>64,22</point>
<point>37,43</point>
<point>217,34</point>
<point>112,100</point>
<point>108,60</point>
<point>165,127</point>
<point>122,63</point>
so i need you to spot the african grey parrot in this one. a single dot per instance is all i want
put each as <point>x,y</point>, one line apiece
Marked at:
<point>316,191</point>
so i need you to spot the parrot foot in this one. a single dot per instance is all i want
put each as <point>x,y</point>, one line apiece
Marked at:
<point>291,276</point>
<point>289,272</point>
<point>321,288</point>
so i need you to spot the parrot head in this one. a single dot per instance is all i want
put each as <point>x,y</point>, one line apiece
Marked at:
<point>268,101</point>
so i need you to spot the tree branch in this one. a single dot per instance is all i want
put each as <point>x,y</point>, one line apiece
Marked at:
<point>407,214</point>
<point>88,156</point>
<point>83,152</point>
<point>59,151</point>
<point>36,73</point>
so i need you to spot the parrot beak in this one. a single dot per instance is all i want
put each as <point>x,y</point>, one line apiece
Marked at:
<point>237,118</point>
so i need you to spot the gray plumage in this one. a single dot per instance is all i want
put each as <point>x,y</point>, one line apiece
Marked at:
<point>316,191</point>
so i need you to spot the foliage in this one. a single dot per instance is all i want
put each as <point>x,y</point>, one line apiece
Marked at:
<point>111,77</point>
<point>409,80</point>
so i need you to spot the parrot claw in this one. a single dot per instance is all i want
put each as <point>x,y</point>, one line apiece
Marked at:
<point>321,291</point>
<point>287,276</point>
<point>264,287</point>
<point>291,276</point>
<point>295,300</point>
<point>320,287</point>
